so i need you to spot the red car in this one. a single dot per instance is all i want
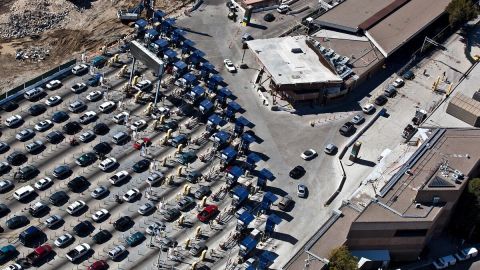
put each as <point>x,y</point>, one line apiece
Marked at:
<point>98,265</point>
<point>142,142</point>
<point>207,213</point>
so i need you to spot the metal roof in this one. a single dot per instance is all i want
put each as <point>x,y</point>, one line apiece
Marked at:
<point>253,158</point>
<point>206,104</point>
<point>141,23</point>
<point>162,43</point>
<point>225,92</point>
<point>234,106</point>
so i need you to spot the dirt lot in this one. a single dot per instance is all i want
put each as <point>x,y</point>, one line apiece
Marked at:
<point>86,26</point>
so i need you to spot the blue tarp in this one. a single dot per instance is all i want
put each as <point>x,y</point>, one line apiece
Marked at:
<point>236,171</point>
<point>188,43</point>
<point>229,152</point>
<point>246,217</point>
<point>269,196</point>
<point>264,173</point>
<point>200,53</point>
<point>141,23</point>
<point>152,33</point>
<point>162,43</point>
<point>180,65</point>
<point>274,219</point>
<point>215,119</point>
<point>222,136</point>
<point>169,22</point>
<point>208,66</point>
<point>249,242</point>
<point>198,91</point>
<point>206,105</point>
<point>267,257</point>
<point>225,92</point>
<point>234,106</point>
<point>241,192</point>
<point>179,32</point>
<point>170,53</point>
<point>189,78</point>
<point>248,138</point>
<point>216,78</point>
<point>253,158</point>
<point>159,14</point>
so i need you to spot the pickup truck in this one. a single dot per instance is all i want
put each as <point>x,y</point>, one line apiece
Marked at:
<point>408,132</point>
<point>38,254</point>
<point>78,252</point>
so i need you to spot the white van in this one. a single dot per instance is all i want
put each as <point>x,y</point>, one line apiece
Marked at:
<point>33,93</point>
<point>106,106</point>
<point>120,137</point>
<point>23,192</point>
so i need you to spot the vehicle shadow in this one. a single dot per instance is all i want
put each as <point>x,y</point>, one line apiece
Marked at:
<point>365,162</point>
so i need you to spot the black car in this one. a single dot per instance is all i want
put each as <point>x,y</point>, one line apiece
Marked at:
<point>59,198</point>
<point>4,210</point>
<point>9,106</point>
<point>60,116</point>
<point>4,147</point>
<point>37,109</point>
<point>83,228</point>
<point>78,183</point>
<point>4,168</point>
<point>201,192</point>
<point>141,166</point>
<point>55,137</point>
<point>39,211</point>
<point>16,158</point>
<point>62,171</point>
<point>168,125</point>
<point>269,17</point>
<point>86,159</point>
<point>381,100</point>
<point>72,127</point>
<point>102,148</point>
<point>122,224</point>
<point>28,172</point>
<point>347,129</point>
<point>297,172</point>
<point>408,75</point>
<point>102,237</point>
<point>101,129</point>
<point>17,222</point>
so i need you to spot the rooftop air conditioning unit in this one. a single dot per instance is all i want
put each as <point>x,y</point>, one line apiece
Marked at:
<point>436,200</point>
<point>417,205</point>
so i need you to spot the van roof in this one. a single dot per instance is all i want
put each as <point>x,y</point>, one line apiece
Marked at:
<point>27,188</point>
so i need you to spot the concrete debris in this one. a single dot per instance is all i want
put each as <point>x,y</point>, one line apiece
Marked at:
<point>33,54</point>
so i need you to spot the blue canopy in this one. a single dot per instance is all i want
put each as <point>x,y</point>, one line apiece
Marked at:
<point>179,32</point>
<point>208,66</point>
<point>215,119</point>
<point>234,106</point>
<point>171,53</point>
<point>248,138</point>
<point>188,43</point>
<point>189,77</point>
<point>264,173</point>
<point>162,43</point>
<point>229,152</point>
<point>225,92</point>
<point>270,197</point>
<point>180,65</point>
<point>222,136</point>
<point>200,53</point>
<point>274,219</point>
<point>216,78</point>
<point>253,158</point>
<point>198,91</point>
<point>246,217</point>
<point>243,121</point>
<point>141,23</point>
<point>206,105</point>
<point>159,14</point>
<point>268,256</point>
<point>249,242</point>
<point>152,33</point>
<point>236,171</point>
<point>169,21</point>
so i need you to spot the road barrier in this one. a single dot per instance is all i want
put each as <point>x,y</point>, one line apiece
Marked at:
<point>55,73</point>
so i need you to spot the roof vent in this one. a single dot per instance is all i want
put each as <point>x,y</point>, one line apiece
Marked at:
<point>418,206</point>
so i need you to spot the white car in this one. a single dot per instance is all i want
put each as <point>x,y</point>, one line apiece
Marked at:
<point>138,125</point>
<point>78,87</point>
<point>399,82</point>
<point>308,154</point>
<point>368,108</point>
<point>25,134</point>
<point>100,215</point>
<point>79,69</point>
<point>43,125</point>
<point>78,252</point>
<point>121,117</point>
<point>229,65</point>
<point>53,84</point>
<point>330,148</point>
<point>43,183</point>
<point>118,177</point>
<point>146,208</point>
<point>87,136</point>
<point>116,252</point>
<point>13,120</point>
<point>53,100</point>
<point>155,177</point>
<point>106,106</point>
<point>131,195</point>
<point>107,164</point>
<point>358,119</point>
<point>63,240</point>
<point>87,117</point>
<point>94,95</point>
<point>75,207</point>
<point>283,8</point>
<point>155,227</point>
<point>143,85</point>
<point>53,220</point>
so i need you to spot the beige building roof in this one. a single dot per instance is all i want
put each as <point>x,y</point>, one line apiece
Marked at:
<point>399,27</point>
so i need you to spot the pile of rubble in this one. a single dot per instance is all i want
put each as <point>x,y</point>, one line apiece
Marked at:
<point>33,17</point>
<point>33,54</point>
